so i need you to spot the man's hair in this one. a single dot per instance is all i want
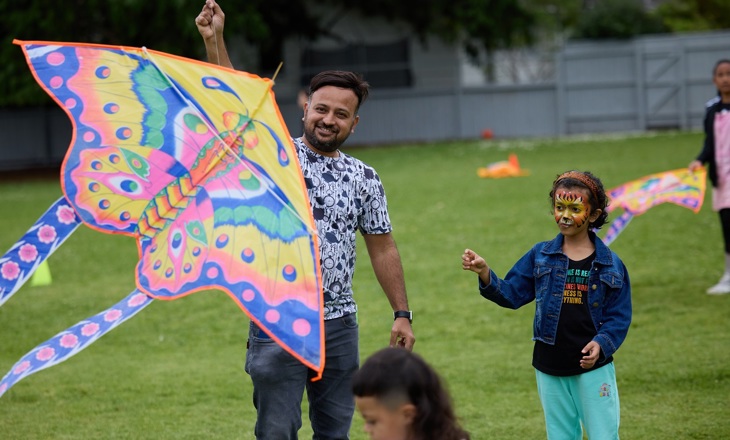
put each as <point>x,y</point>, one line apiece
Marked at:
<point>342,79</point>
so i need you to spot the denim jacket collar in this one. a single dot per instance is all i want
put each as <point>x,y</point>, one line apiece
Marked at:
<point>603,254</point>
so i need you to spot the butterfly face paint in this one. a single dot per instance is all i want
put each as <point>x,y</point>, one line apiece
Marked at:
<point>570,209</point>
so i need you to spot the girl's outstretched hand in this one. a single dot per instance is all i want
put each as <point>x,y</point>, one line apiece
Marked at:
<point>470,260</point>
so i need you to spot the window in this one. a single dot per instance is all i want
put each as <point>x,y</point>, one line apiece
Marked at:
<point>382,65</point>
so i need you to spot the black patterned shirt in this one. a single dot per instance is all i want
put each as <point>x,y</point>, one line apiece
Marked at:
<point>346,195</point>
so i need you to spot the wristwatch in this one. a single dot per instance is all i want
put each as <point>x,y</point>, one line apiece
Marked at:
<point>403,314</point>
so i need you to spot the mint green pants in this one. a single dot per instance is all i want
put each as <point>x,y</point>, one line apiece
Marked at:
<point>585,401</point>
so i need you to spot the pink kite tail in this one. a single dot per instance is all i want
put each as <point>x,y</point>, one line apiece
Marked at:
<point>41,240</point>
<point>617,226</point>
<point>73,340</point>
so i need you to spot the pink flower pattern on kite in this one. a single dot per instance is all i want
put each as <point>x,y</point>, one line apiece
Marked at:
<point>28,253</point>
<point>23,366</point>
<point>40,241</point>
<point>71,341</point>
<point>66,215</point>
<point>46,234</point>
<point>10,270</point>
<point>137,300</point>
<point>89,329</point>
<point>45,354</point>
<point>112,315</point>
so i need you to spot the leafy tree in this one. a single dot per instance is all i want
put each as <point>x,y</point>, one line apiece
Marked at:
<point>166,25</point>
<point>481,24</point>
<point>695,15</point>
<point>555,17</point>
<point>617,19</point>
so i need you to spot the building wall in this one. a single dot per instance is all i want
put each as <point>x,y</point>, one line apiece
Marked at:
<point>659,82</point>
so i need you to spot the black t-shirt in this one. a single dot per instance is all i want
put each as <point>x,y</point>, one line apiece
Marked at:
<point>575,326</point>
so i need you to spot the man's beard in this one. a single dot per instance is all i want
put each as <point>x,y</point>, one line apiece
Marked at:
<point>326,147</point>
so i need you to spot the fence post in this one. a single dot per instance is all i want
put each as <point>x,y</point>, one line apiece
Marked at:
<point>560,94</point>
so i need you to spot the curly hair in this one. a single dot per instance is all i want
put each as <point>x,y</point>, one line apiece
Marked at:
<point>396,373</point>
<point>597,197</point>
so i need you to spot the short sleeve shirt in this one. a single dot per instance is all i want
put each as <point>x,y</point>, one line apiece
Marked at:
<point>575,326</point>
<point>346,195</point>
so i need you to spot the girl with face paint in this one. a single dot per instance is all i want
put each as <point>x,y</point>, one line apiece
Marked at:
<point>582,294</point>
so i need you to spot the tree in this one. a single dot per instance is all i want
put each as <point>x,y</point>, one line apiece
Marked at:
<point>479,25</point>
<point>165,25</point>
<point>695,15</point>
<point>617,19</point>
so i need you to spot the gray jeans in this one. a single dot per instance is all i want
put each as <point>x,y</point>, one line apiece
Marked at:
<point>279,381</point>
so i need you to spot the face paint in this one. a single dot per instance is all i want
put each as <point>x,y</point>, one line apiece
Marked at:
<point>569,208</point>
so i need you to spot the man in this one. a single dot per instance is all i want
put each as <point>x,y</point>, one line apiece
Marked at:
<point>346,195</point>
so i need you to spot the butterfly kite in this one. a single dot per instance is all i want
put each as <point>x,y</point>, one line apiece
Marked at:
<point>681,187</point>
<point>194,162</point>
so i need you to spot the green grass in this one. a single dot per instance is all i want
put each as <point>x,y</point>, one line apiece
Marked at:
<point>176,370</point>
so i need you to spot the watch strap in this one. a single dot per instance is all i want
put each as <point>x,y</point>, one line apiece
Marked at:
<point>403,314</point>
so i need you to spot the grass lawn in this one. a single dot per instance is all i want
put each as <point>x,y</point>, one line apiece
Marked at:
<point>175,371</point>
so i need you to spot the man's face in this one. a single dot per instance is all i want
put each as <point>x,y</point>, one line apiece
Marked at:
<point>329,118</point>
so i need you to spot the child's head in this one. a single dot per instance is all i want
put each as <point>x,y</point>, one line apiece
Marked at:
<point>578,197</point>
<point>401,397</point>
<point>721,77</point>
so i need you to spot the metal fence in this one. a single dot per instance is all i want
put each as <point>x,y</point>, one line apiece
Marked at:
<point>648,83</point>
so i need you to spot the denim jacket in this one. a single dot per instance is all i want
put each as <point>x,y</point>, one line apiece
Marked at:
<point>540,275</point>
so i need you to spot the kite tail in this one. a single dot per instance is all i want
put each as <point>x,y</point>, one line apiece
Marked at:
<point>41,240</point>
<point>73,340</point>
<point>617,226</point>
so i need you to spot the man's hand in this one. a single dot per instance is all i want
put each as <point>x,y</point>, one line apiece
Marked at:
<point>401,335</point>
<point>210,21</point>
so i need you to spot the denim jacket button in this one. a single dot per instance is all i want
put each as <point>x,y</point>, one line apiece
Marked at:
<point>595,304</point>
<point>594,287</point>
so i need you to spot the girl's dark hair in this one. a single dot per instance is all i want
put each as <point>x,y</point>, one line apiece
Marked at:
<point>597,194</point>
<point>342,79</point>
<point>398,372</point>
<point>718,63</point>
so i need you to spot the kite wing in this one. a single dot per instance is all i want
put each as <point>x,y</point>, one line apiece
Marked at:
<point>194,162</point>
<point>681,187</point>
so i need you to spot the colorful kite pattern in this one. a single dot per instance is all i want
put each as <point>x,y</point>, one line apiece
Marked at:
<point>41,240</point>
<point>681,187</point>
<point>194,162</point>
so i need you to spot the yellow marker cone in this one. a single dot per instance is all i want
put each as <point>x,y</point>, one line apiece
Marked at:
<point>41,276</point>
